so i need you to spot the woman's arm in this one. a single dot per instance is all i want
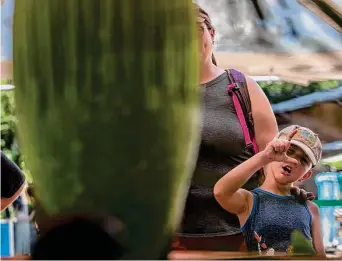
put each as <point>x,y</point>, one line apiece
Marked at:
<point>5,202</point>
<point>316,229</point>
<point>265,123</point>
<point>12,181</point>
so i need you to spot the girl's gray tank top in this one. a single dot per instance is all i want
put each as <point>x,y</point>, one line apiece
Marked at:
<point>222,148</point>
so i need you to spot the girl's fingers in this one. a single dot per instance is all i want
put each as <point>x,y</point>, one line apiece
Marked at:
<point>278,146</point>
<point>284,146</point>
<point>292,135</point>
<point>288,159</point>
<point>274,146</point>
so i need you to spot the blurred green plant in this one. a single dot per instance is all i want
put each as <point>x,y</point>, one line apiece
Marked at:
<point>6,81</point>
<point>9,145</point>
<point>300,244</point>
<point>282,91</point>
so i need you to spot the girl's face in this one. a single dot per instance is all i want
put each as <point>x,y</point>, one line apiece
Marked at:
<point>285,173</point>
<point>206,36</point>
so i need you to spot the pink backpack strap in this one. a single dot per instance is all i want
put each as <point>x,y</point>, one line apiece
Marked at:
<point>242,107</point>
<point>240,114</point>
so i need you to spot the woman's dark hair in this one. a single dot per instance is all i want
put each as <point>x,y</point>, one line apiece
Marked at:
<point>204,15</point>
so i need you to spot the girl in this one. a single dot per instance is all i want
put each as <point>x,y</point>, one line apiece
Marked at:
<point>268,215</point>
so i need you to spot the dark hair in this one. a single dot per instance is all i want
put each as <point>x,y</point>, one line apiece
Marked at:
<point>17,205</point>
<point>261,178</point>
<point>203,14</point>
<point>30,191</point>
<point>67,241</point>
<point>213,59</point>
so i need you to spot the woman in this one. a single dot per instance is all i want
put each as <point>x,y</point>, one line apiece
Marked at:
<point>205,225</point>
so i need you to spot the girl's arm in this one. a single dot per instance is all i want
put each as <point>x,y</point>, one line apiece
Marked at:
<point>316,229</point>
<point>265,125</point>
<point>227,190</point>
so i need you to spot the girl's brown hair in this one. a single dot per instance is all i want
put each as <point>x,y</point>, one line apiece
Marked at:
<point>204,15</point>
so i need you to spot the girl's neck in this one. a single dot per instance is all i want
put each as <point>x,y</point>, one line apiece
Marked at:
<point>271,185</point>
<point>209,71</point>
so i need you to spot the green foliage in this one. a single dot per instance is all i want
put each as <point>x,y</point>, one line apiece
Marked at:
<point>8,126</point>
<point>9,144</point>
<point>300,244</point>
<point>6,81</point>
<point>282,91</point>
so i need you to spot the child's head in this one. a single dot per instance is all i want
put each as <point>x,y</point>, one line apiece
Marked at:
<point>305,147</point>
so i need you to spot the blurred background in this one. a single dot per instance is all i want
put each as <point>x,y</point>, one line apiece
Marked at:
<point>295,54</point>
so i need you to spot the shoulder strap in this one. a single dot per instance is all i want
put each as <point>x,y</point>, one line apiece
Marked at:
<point>239,92</point>
<point>240,79</point>
<point>238,89</point>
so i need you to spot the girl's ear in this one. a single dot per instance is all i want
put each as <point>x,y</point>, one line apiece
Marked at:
<point>306,176</point>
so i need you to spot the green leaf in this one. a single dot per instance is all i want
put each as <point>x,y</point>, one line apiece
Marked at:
<point>300,244</point>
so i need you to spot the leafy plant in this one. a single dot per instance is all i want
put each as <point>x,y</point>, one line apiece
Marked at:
<point>282,91</point>
<point>300,244</point>
<point>9,144</point>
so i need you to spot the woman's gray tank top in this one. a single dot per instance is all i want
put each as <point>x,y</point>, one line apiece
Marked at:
<point>222,148</point>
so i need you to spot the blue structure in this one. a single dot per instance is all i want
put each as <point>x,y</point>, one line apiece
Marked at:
<point>7,238</point>
<point>7,9</point>
<point>307,101</point>
<point>328,188</point>
<point>333,146</point>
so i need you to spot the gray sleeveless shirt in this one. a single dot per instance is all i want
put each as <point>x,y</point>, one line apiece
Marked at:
<point>222,148</point>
